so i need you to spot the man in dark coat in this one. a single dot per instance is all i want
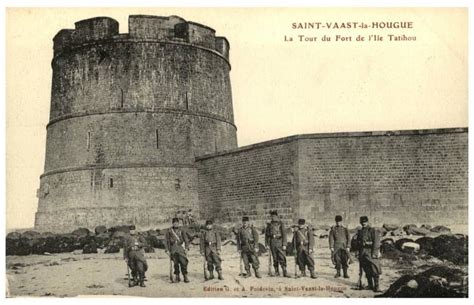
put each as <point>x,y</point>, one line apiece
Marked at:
<point>368,243</point>
<point>134,255</point>
<point>247,245</point>
<point>176,244</point>
<point>339,243</point>
<point>275,240</point>
<point>303,241</point>
<point>190,217</point>
<point>210,248</point>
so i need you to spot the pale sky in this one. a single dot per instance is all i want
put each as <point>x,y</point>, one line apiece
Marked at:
<point>279,88</point>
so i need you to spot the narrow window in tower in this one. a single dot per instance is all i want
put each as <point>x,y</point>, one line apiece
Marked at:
<point>111,182</point>
<point>121,98</point>
<point>88,140</point>
<point>187,104</point>
<point>157,139</point>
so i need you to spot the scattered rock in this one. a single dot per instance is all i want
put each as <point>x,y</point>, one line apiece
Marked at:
<point>119,234</point>
<point>100,230</point>
<point>112,249</point>
<point>152,233</point>
<point>401,241</point>
<point>321,233</point>
<point>410,247</point>
<point>90,248</point>
<point>390,227</point>
<point>123,228</point>
<point>31,234</point>
<point>426,244</point>
<point>397,232</point>
<point>387,241</point>
<point>102,239</point>
<point>156,241</point>
<point>414,230</point>
<point>453,248</point>
<point>441,229</point>
<point>432,283</point>
<point>81,232</point>
<point>14,235</point>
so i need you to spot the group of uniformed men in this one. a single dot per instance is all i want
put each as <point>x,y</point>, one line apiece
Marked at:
<point>185,217</point>
<point>177,244</point>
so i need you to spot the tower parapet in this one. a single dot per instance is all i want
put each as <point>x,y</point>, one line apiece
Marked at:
<point>141,27</point>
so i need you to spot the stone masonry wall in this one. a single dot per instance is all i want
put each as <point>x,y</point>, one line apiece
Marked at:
<point>399,177</point>
<point>416,176</point>
<point>250,182</point>
<point>145,196</point>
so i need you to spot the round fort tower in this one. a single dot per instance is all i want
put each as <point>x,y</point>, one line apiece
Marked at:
<point>129,114</point>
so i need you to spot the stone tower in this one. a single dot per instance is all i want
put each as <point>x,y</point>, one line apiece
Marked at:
<point>129,114</point>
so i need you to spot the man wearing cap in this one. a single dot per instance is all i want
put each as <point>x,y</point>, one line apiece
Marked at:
<point>134,255</point>
<point>176,244</point>
<point>303,240</point>
<point>190,216</point>
<point>247,245</point>
<point>339,243</point>
<point>368,243</point>
<point>275,240</point>
<point>210,248</point>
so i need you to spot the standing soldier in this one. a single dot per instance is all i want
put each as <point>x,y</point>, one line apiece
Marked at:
<point>247,245</point>
<point>177,243</point>
<point>303,240</point>
<point>185,218</point>
<point>339,243</point>
<point>134,255</point>
<point>210,248</point>
<point>368,244</point>
<point>275,240</point>
<point>181,218</point>
<point>178,215</point>
<point>190,216</point>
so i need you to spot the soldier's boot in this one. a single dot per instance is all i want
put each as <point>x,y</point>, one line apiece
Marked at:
<point>376,284</point>
<point>303,273</point>
<point>219,275</point>
<point>338,273</point>
<point>277,271</point>
<point>186,279</point>
<point>177,279</point>
<point>247,273</point>
<point>346,276</point>
<point>257,274</point>
<point>211,275</point>
<point>135,280</point>
<point>285,273</point>
<point>370,283</point>
<point>313,274</point>
<point>141,279</point>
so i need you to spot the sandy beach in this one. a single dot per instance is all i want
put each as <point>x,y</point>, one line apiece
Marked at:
<point>69,274</point>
